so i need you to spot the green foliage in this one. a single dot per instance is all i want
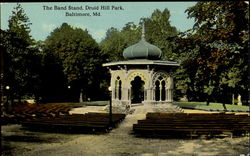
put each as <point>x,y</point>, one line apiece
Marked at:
<point>53,82</point>
<point>202,105</point>
<point>78,55</point>
<point>217,48</point>
<point>20,25</point>
<point>158,30</point>
<point>76,49</point>
<point>21,63</point>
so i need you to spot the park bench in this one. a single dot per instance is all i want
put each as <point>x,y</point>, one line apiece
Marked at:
<point>41,110</point>
<point>36,111</point>
<point>88,121</point>
<point>193,123</point>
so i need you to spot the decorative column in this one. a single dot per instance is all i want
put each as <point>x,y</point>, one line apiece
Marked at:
<point>151,86</point>
<point>168,90</point>
<point>153,94</point>
<point>170,95</point>
<point>124,93</point>
<point>171,89</point>
<point>167,95</point>
<point>129,92</point>
<point>149,96</point>
<point>113,93</point>
<point>112,84</point>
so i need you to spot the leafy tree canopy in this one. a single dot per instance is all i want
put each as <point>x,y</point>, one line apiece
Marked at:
<point>21,62</point>
<point>216,48</point>
<point>78,54</point>
<point>158,30</point>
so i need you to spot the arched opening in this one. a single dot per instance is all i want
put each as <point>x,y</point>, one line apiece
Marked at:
<point>160,89</point>
<point>163,91</point>
<point>157,90</point>
<point>120,90</point>
<point>137,90</point>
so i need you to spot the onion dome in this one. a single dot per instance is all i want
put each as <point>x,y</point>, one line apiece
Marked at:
<point>142,50</point>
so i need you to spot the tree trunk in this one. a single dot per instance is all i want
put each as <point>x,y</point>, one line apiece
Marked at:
<point>81,99</point>
<point>208,102</point>
<point>11,103</point>
<point>233,99</point>
<point>224,101</point>
<point>19,100</point>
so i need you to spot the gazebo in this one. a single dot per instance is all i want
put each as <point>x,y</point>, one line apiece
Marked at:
<point>142,77</point>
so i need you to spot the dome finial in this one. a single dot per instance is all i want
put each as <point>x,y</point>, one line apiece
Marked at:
<point>143,30</point>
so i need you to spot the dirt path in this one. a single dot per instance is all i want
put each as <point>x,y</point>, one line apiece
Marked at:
<point>119,142</point>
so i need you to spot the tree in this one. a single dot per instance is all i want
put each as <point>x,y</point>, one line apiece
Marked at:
<point>79,57</point>
<point>158,29</point>
<point>219,43</point>
<point>21,60</point>
<point>52,86</point>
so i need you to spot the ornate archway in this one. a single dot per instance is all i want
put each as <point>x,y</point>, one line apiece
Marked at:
<point>137,90</point>
<point>162,84</point>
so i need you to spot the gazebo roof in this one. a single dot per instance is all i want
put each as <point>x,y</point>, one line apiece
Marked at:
<point>142,62</point>
<point>142,49</point>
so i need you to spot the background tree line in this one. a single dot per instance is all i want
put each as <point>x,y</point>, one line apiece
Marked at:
<point>67,65</point>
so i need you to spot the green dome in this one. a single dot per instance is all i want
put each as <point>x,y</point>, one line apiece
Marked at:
<point>142,50</point>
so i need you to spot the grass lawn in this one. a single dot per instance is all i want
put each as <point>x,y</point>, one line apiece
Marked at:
<point>96,103</point>
<point>212,106</point>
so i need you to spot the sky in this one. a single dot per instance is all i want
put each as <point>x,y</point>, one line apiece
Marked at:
<point>46,16</point>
